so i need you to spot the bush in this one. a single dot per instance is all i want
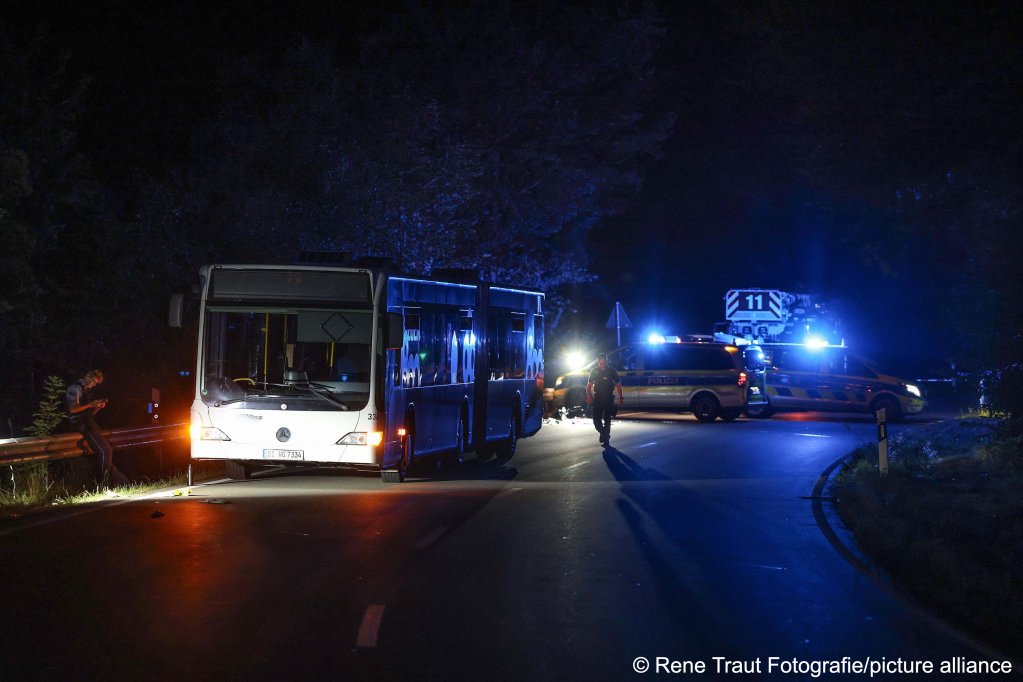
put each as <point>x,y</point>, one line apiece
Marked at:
<point>1004,455</point>
<point>51,409</point>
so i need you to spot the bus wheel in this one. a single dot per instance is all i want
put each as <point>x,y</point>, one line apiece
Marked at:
<point>457,456</point>
<point>730,415</point>
<point>706,407</point>
<point>238,471</point>
<point>400,473</point>
<point>507,446</point>
<point>407,457</point>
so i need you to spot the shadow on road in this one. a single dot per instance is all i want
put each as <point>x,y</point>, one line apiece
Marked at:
<point>624,468</point>
<point>688,569</point>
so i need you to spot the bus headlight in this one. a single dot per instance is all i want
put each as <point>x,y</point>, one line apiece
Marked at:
<point>373,438</point>
<point>913,389</point>
<point>207,433</point>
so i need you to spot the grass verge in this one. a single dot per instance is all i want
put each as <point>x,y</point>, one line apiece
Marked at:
<point>946,524</point>
<point>30,488</point>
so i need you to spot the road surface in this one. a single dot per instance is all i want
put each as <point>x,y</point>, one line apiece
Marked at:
<point>684,544</point>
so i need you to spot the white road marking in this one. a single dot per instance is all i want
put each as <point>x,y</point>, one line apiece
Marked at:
<point>813,435</point>
<point>431,538</point>
<point>370,627</point>
<point>577,464</point>
<point>646,445</point>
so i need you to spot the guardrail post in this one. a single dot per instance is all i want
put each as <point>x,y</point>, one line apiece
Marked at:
<point>882,442</point>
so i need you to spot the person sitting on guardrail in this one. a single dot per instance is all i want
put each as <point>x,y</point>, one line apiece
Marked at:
<point>82,411</point>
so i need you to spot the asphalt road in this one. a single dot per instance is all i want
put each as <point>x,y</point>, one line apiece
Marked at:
<point>682,540</point>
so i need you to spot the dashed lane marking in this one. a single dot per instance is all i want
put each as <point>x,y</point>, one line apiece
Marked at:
<point>370,627</point>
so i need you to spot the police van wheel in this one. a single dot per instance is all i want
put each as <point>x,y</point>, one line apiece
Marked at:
<point>730,415</point>
<point>762,411</point>
<point>706,407</point>
<point>892,409</point>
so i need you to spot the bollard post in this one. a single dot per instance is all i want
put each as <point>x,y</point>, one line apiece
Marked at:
<point>190,474</point>
<point>882,442</point>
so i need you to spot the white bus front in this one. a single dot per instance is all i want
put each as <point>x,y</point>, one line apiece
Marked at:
<point>286,368</point>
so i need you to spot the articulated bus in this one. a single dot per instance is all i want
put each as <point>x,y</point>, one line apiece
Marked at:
<point>352,367</point>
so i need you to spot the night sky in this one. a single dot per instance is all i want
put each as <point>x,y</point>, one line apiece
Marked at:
<point>799,130</point>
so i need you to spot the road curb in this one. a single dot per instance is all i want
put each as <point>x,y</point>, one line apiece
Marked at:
<point>865,567</point>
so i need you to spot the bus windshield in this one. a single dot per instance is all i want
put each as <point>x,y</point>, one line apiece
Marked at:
<point>319,359</point>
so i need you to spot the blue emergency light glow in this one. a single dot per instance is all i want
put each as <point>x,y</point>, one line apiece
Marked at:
<point>655,338</point>
<point>815,342</point>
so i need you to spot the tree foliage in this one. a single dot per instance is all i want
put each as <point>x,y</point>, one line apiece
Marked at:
<point>463,135</point>
<point>484,135</point>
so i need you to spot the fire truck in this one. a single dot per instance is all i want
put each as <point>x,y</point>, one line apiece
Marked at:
<point>773,316</point>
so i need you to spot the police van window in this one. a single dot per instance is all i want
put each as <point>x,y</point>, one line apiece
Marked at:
<point>710,359</point>
<point>681,358</point>
<point>796,360</point>
<point>754,358</point>
<point>843,363</point>
<point>660,358</point>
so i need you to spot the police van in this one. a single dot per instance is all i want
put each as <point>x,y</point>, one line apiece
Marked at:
<point>710,380</point>
<point>832,379</point>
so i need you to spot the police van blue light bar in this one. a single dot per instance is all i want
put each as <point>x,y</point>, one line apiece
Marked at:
<point>815,342</point>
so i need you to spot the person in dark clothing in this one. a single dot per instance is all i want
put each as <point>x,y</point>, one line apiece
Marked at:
<point>600,390</point>
<point>82,411</point>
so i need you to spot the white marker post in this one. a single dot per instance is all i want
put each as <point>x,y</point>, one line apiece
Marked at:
<point>882,442</point>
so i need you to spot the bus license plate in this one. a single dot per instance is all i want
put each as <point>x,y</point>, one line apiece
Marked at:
<point>283,454</point>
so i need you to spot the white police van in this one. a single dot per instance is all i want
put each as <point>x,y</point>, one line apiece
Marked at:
<point>710,380</point>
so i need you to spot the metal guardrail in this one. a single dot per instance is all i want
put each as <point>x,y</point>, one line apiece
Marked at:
<point>66,445</point>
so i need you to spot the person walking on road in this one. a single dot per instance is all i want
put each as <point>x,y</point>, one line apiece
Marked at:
<point>82,411</point>
<point>600,390</point>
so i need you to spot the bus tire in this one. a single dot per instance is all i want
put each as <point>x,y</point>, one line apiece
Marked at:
<point>456,457</point>
<point>408,456</point>
<point>706,407</point>
<point>892,408</point>
<point>508,445</point>
<point>238,471</point>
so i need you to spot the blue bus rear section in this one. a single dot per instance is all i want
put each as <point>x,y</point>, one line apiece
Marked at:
<point>472,354</point>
